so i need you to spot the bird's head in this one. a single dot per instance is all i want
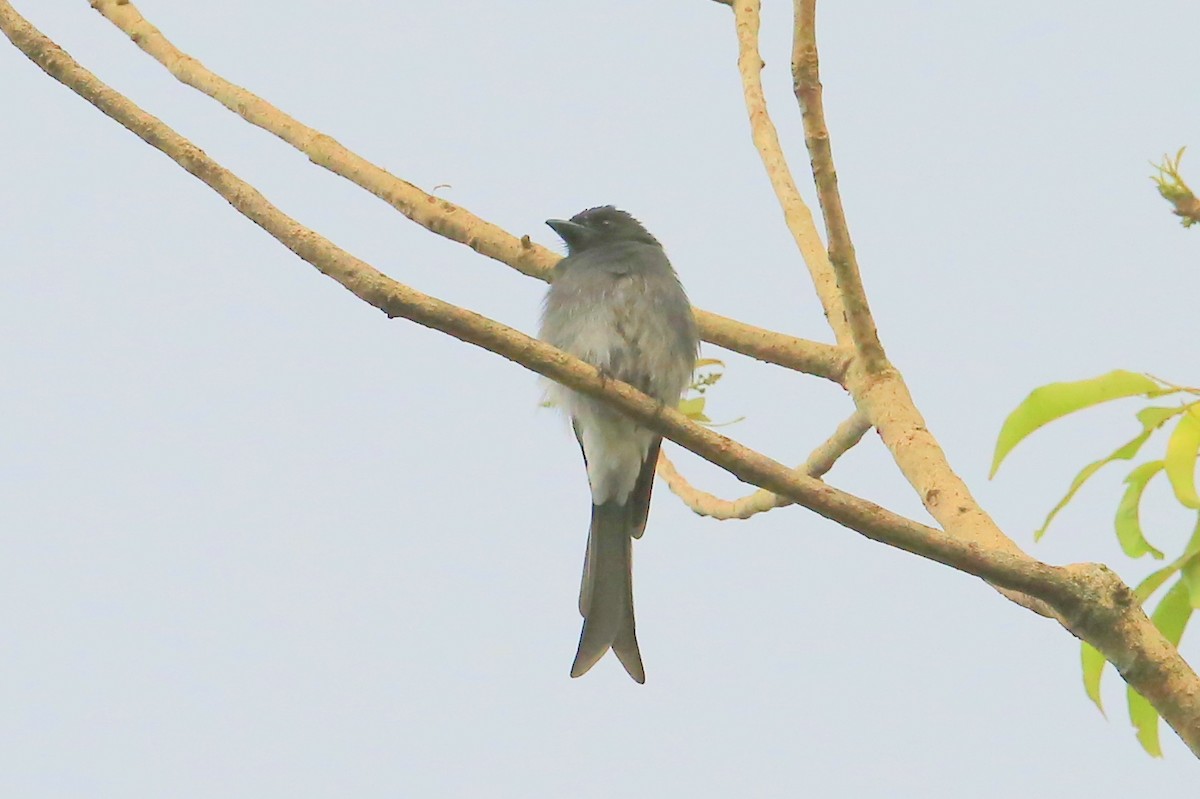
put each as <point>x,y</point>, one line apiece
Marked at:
<point>596,227</point>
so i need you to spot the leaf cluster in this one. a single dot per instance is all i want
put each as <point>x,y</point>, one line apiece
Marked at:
<point>1174,190</point>
<point>1173,611</point>
<point>708,372</point>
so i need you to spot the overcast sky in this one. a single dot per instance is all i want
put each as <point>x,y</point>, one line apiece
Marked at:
<point>257,540</point>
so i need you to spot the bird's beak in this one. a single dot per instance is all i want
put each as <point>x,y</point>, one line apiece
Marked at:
<point>570,232</point>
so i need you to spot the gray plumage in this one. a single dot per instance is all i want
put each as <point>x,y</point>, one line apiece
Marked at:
<point>616,303</point>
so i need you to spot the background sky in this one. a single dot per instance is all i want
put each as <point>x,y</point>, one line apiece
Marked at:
<point>257,540</point>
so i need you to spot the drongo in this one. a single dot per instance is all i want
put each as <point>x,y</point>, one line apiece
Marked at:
<point>616,303</point>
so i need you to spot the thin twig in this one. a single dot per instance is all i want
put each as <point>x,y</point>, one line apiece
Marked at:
<point>807,86</point>
<point>796,215</point>
<point>822,459</point>
<point>436,214</point>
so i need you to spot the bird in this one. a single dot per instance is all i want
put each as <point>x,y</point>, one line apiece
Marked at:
<point>616,302</point>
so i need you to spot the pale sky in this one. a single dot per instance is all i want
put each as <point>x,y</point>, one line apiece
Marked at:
<point>257,540</point>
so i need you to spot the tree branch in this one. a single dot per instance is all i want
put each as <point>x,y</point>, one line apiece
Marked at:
<point>882,396</point>
<point>822,459</point>
<point>1088,599</point>
<point>879,391</point>
<point>807,86</point>
<point>398,300</point>
<point>796,215</point>
<point>438,215</point>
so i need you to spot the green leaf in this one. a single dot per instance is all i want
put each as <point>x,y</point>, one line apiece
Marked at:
<point>1081,478</point>
<point>1145,720</point>
<point>1181,458</point>
<point>1128,524</point>
<point>1056,400</point>
<point>1151,418</point>
<point>1189,564</point>
<point>693,408</point>
<point>713,424</point>
<point>1093,670</point>
<point>1146,588</point>
<point>1171,617</point>
<point>1173,613</point>
<point>1190,576</point>
<point>706,374</point>
<point>1193,544</point>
